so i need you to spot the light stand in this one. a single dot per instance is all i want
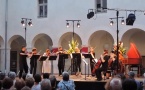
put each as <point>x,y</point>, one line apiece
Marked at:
<point>117,32</point>
<point>67,25</point>
<point>25,23</point>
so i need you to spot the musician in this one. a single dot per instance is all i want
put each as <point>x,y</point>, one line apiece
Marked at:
<point>46,66</point>
<point>33,62</point>
<point>92,58</point>
<point>104,65</point>
<point>61,60</point>
<point>22,62</point>
<point>78,61</point>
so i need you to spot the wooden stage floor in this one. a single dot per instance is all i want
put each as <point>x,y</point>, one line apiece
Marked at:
<point>90,78</point>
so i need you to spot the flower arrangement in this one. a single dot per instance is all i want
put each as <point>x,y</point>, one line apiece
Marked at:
<point>122,50</point>
<point>72,44</point>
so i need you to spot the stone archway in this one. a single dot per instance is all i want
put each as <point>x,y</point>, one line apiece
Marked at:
<point>2,54</point>
<point>66,37</point>
<point>101,40</point>
<point>41,42</point>
<point>15,43</point>
<point>135,36</point>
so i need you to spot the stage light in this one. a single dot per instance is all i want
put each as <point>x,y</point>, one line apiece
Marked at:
<point>122,22</point>
<point>22,22</point>
<point>78,25</point>
<point>111,23</point>
<point>30,23</point>
<point>67,25</point>
<point>130,19</point>
<point>90,14</point>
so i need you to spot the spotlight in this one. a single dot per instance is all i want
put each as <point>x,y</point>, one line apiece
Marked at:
<point>78,25</point>
<point>122,22</point>
<point>130,19</point>
<point>22,22</point>
<point>111,23</point>
<point>67,25</point>
<point>30,23</point>
<point>90,14</point>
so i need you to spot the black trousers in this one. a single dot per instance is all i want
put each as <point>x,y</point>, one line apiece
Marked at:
<point>23,67</point>
<point>98,73</point>
<point>61,64</point>
<point>33,67</point>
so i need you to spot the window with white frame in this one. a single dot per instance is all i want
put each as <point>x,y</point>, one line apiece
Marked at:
<point>100,4</point>
<point>42,8</point>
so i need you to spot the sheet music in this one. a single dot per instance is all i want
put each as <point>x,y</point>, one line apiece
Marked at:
<point>71,55</point>
<point>96,60</point>
<point>85,61</point>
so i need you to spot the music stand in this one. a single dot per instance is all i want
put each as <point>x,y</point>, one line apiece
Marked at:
<point>51,58</point>
<point>43,58</point>
<point>88,55</point>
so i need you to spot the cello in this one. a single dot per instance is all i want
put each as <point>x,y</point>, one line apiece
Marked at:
<point>96,66</point>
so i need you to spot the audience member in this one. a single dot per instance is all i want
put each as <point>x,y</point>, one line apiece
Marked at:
<point>53,82</point>
<point>25,88</point>
<point>45,84</point>
<point>24,76</point>
<point>36,85</point>
<point>131,75</point>
<point>19,84</point>
<point>2,75</point>
<point>116,84</point>
<point>129,84</point>
<point>7,83</point>
<point>66,84</point>
<point>29,82</point>
<point>45,75</point>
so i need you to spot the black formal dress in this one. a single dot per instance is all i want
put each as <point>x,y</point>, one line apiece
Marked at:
<point>103,67</point>
<point>77,62</point>
<point>61,63</point>
<point>22,64</point>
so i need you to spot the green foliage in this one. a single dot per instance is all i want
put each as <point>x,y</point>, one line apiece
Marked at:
<point>72,44</point>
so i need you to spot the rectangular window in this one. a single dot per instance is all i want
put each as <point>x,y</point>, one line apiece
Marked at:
<point>42,8</point>
<point>100,4</point>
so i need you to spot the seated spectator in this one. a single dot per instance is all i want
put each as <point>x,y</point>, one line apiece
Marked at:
<point>66,84</point>
<point>7,83</point>
<point>45,84</point>
<point>12,75</point>
<point>29,76</point>
<point>36,85</point>
<point>129,84</point>
<point>2,75</point>
<point>116,84</point>
<point>25,88</point>
<point>53,82</point>
<point>131,75</point>
<point>24,76</point>
<point>29,82</point>
<point>45,75</point>
<point>0,84</point>
<point>19,84</point>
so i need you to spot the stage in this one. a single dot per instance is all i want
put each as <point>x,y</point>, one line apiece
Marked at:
<point>90,83</point>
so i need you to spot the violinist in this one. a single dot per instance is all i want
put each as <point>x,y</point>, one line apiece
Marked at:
<point>61,61</point>
<point>22,62</point>
<point>92,58</point>
<point>104,65</point>
<point>46,66</point>
<point>33,62</point>
<point>78,61</point>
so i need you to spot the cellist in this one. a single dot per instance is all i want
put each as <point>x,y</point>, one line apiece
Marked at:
<point>104,65</point>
